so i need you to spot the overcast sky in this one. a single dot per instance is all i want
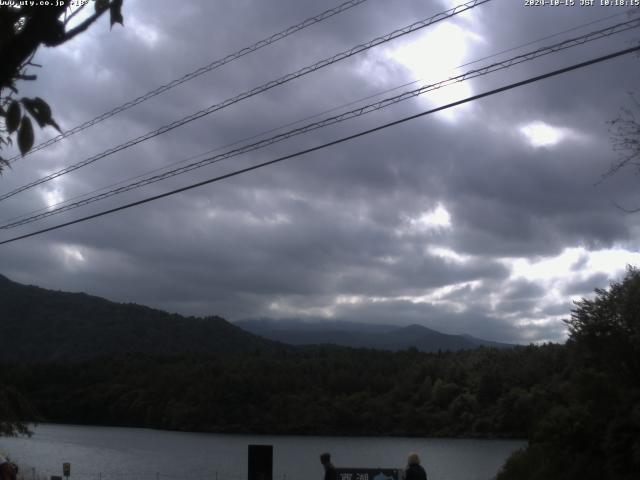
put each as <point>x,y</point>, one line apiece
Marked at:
<point>486,219</point>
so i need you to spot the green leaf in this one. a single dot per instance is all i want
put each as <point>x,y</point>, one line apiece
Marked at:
<point>25,135</point>
<point>115,10</point>
<point>13,117</point>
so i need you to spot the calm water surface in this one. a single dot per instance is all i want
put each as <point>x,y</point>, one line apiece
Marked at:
<point>108,453</point>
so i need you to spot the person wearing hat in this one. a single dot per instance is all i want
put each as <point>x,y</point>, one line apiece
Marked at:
<point>414,470</point>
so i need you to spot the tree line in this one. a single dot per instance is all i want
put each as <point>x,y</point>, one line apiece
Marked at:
<point>578,404</point>
<point>481,393</point>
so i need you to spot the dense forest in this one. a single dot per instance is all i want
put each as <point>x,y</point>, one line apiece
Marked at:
<point>44,325</point>
<point>592,428</point>
<point>578,404</point>
<point>485,392</point>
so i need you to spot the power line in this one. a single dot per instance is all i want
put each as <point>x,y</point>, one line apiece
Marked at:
<point>547,37</point>
<point>332,143</point>
<point>570,43</point>
<point>255,91</point>
<point>310,117</point>
<point>196,73</point>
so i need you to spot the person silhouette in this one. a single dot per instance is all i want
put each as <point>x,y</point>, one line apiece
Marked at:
<point>329,469</point>
<point>414,470</point>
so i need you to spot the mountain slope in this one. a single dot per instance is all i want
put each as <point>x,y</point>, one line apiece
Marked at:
<point>41,325</point>
<point>352,334</point>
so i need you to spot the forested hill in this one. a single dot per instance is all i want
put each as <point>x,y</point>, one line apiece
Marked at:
<point>578,404</point>
<point>362,335</point>
<point>42,325</point>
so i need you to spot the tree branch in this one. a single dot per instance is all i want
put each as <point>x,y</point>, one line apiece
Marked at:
<point>74,13</point>
<point>79,29</point>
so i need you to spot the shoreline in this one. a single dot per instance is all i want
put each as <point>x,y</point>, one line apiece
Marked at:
<point>237,433</point>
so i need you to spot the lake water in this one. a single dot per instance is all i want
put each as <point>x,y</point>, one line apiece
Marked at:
<point>109,453</point>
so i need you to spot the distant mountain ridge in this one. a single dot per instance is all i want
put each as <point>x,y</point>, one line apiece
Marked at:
<point>362,335</point>
<point>44,325</point>
<point>37,324</point>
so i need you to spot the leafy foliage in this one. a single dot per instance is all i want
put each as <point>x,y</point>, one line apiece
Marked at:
<point>592,430</point>
<point>14,408</point>
<point>23,29</point>
<point>316,390</point>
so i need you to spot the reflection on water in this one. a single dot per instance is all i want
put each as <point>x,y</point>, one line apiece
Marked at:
<point>110,453</point>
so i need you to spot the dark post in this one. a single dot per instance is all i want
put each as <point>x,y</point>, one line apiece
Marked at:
<point>260,462</point>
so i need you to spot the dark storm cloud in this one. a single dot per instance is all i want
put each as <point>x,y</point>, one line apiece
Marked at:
<point>523,289</point>
<point>554,186</point>
<point>586,286</point>
<point>563,309</point>
<point>298,238</point>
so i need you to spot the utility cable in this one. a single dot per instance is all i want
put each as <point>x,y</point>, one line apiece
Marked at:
<point>332,143</point>
<point>196,73</point>
<point>547,37</point>
<point>311,117</point>
<point>255,91</point>
<point>570,43</point>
